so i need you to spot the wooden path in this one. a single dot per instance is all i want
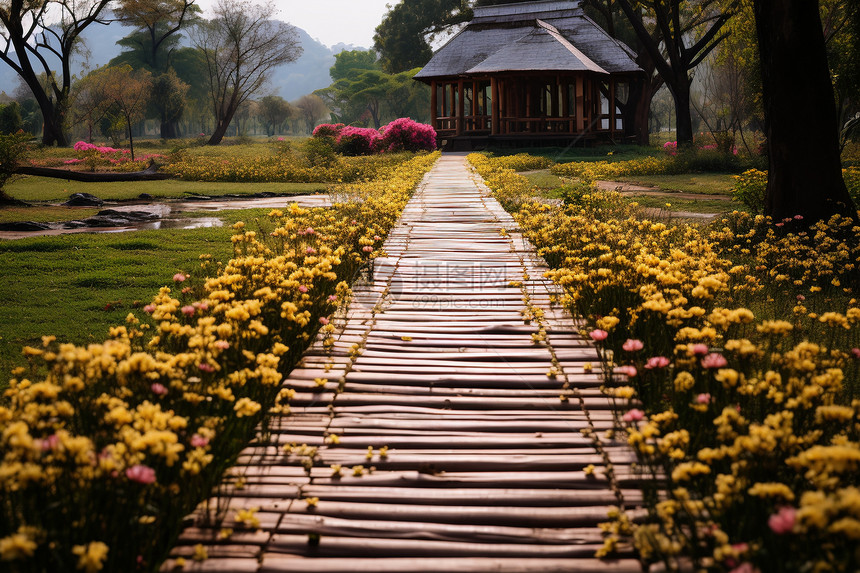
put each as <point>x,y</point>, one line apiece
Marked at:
<point>485,468</point>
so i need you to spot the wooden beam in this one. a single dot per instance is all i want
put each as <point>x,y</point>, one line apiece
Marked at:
<point>461,107</point>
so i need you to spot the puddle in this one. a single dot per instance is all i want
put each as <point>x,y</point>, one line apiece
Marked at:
<point>153,216</point>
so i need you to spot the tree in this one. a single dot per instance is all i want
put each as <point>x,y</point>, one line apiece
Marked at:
<point>688,31</point>
<point>240,46</point>
<point>402,38</point>
<point>39,43</point>
<point>346,62</point>
<point>158,21</point>
<point>805,172</point>
<point>128,91</point>
<point>311,108</point>
<point>274,111</point>
<point>168,101</point>
<point>636,109</point>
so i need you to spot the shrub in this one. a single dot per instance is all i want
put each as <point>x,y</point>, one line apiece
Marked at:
<point>328,132</point>
<point>523,162</point>
<point>13,148</point>
<point>405,134</point>
<point>319,152</point>
<point>750,188</point>
<point>354,141</point>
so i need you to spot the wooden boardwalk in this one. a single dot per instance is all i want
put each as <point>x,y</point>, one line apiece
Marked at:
<point>457,448</point>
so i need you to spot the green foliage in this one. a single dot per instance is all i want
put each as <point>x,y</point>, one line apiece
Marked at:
<point>750,189</point>
<point>348,62</point>
<point>13,148</point>
<point>10,118</point>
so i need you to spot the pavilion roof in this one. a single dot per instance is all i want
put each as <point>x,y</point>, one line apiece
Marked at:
<point>530,36</point>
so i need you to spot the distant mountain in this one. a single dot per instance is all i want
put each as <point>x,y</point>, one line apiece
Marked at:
<point>290,81</point>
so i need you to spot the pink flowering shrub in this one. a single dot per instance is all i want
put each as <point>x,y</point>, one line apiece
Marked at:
<point>101,155</point>
<point>402,134</point>
<point>356,140</point>
<point>331,130</point>
<point>405,134</point>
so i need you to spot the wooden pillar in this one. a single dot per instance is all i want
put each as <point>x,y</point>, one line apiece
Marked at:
<point>612,108</point>
<point>461,106</point>
<point>434,102</point>
<point>565,104</point>
<point>580,104</point>
<point>495,100</point>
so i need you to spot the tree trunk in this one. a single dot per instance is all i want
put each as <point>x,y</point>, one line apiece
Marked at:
<point>680,89</point>
<point>805,171</point>
<point>168,129</point>
<point>219,133</point>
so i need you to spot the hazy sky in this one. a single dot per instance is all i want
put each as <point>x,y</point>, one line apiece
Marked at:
<point>330,21</point>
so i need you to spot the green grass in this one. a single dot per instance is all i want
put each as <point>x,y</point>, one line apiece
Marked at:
<point>692,205</point>
<point>40,214</point>
<point>597,153</point>
<point>77,286</point>
<point>543,179</point>
<point>704,183</point>
<point>49,189</point>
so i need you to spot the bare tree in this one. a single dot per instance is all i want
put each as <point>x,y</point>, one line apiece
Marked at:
<point>43,35</point>
<point>240,46</point>
<point>689,31</point>
<point>311,109</point>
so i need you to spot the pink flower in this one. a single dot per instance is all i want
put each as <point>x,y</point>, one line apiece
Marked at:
<point>634,415</point>
<point>598,335</point>
<point>205,367</point>
<point>632,345</point>
<point>332,298</point>
<point>158,389</point>
<point>188,310</point>
<point>201,305</point>
<point>782,521</point>
<point>49,443</point>
<point>629,371</point>
<point>367,249</point>
<point>714,360</point>
<point>699,349</point>
<point>323,320</point>
<point>745,567</point>
<point>801,298</point>
<point>780,224</point>
<point>150,308</point>
<point>377,238</point>
<point>222,344</point>
<point>798,217</point>
<point>198,441</point>
<point>303,288</point>
<point>856,353</point>
<point>141,474</point>
<point>179,277</point>
<point>309,231</point>
<point>704,398</point>
<point>311,251</point>
<point>657,362</point>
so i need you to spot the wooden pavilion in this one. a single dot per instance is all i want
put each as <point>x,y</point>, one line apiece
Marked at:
<point>530,73</point>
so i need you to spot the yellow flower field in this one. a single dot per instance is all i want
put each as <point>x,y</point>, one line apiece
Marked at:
<point>106,448</point>
<point>733,354</point>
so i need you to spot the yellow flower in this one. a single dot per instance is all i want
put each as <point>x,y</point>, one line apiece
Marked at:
<point>17,546</point>
<point>91,556</point>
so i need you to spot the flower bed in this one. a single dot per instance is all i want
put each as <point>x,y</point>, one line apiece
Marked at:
<point>106,448</point>
<point>732,354</point>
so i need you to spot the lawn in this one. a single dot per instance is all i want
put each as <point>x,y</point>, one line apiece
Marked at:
<point>47,189</point>
<point>691,205</point>
<point>702,183</point>
<point>77,286</point>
